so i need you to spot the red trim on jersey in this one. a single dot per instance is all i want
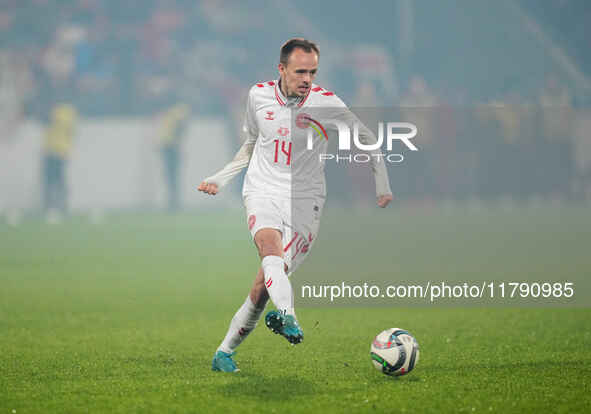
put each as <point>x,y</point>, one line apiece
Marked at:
<point>278,98</point>
<point>328,94</point>
<point>316,89</point>
<point>260,85</point>
<point>281,100</point>
<point>271,83</point>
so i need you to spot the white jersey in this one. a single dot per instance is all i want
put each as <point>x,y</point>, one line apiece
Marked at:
<point>280,163</point>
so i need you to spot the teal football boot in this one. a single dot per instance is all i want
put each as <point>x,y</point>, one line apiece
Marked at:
<point>223,361</point>
<point>285,325</point>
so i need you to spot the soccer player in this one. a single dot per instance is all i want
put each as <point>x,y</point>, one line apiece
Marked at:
<point>284,188</point>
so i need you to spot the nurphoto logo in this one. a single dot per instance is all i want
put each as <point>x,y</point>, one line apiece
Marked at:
<point>387,131</point>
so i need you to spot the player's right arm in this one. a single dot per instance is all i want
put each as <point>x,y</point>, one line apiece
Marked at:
<point>212,185</point>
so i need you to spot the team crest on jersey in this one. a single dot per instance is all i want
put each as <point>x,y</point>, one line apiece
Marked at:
<point>302,120</point>
<point>283,131</point>
<point>270,115</point>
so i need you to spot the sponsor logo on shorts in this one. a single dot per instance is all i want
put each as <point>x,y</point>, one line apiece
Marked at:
<point>252,219</point>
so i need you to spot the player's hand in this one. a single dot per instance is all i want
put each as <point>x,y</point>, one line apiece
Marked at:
<point>209,188</point>
<point>384,200</point>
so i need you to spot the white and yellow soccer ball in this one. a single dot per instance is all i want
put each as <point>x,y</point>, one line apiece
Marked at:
<point>394,352</point>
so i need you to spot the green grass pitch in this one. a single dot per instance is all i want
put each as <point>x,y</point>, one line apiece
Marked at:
<point>125,316</point>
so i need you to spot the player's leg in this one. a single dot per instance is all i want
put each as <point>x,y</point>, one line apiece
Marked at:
<point>283,320</point>
<point>243,322</point>
<point>258,293</point>
<point>298,235</point>
<point>270,247</point>
<point>261,213</point>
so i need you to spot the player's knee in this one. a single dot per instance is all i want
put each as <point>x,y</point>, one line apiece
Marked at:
<point>268,242</point>
<point>269,249</point>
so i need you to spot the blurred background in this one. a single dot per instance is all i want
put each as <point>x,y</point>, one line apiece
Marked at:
<point>126,105</point>
<point>113,111</point>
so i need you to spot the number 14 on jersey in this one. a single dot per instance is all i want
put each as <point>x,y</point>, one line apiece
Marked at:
<point>285,149</point>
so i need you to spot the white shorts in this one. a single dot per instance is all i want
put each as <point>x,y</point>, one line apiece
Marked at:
<point>298,221</point>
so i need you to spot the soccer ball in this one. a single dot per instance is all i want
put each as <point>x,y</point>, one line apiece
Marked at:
<point>394,352</point>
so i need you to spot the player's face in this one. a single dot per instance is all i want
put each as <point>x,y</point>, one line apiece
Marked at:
<point>299,73</point>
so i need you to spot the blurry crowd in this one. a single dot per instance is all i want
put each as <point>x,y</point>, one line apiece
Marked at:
<point>109,57</point>
<point>513,146</point>
<point>71,59</point>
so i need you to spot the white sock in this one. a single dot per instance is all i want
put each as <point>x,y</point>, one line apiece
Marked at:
<point>278,285</point>
<point>243,322</point>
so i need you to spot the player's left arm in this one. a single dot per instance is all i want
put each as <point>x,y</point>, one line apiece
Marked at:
<point>378,167</point>
<point>377,163</point>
